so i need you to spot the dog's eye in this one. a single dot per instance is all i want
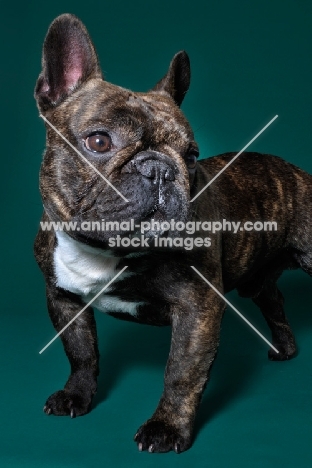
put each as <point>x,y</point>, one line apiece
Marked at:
<point>191,159</point>
<point>98,143</point>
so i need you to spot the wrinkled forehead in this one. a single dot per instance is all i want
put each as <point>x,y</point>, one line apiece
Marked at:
<point>102,105</point>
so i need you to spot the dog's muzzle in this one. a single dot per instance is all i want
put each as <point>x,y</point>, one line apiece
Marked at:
<point>153,165</point>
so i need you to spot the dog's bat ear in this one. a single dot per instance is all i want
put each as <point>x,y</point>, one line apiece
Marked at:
<point>177,80</point>
<point>69,59</point>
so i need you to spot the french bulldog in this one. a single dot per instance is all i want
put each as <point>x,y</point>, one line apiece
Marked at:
<point>145,148</point>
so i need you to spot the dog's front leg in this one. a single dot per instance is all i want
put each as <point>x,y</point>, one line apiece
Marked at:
<point>195,338</point>
<point>80,344</point>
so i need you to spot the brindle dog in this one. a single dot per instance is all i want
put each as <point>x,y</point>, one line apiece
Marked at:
<point>145,147</point>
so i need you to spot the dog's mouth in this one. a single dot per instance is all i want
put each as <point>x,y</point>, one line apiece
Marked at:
<point>155,204</point>
<point>155,224</point>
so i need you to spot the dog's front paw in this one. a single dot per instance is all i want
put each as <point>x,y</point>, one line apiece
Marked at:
<point>63,403</point>
<point>158,436</point>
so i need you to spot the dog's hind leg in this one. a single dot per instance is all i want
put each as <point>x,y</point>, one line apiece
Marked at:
<point>305,261</point>
<point>271,303</point>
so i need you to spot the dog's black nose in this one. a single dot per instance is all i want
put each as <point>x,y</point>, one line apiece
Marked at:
<point>156,170</point>
<point>154,165</point>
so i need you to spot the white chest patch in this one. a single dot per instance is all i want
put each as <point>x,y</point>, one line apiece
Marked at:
<point>84,270</point>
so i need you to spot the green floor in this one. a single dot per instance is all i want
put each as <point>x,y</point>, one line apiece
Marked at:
<point>250,61</point>
<point>255,413</point>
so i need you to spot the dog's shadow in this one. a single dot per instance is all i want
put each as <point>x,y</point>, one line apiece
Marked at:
<point>238,367</point>
<point>130,345</point>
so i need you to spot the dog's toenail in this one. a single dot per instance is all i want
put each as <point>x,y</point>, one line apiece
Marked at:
<point>177,448</point>
<point>47,410</point>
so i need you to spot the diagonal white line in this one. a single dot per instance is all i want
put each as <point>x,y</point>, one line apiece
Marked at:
<point>82,310</point>
<point>82,156</point>
<point>235,157</point>
<point>235,310</point>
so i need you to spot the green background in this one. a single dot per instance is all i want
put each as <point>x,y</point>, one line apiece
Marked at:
<point>250,61</point>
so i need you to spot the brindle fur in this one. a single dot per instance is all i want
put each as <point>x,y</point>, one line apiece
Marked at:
<point>71,93</point>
